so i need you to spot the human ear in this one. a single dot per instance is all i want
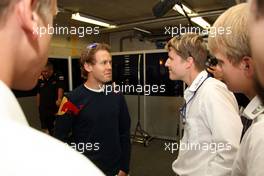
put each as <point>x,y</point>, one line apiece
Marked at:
<point>28,18</point>
<point>247,66</point>
<point>88,67</point>
<point>189,62</point>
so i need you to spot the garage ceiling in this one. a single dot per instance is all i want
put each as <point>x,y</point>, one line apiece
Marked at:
<point>137,13</point>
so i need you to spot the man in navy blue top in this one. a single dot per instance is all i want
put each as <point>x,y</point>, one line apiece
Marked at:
<point>93,122</point>
<point>49,96</point>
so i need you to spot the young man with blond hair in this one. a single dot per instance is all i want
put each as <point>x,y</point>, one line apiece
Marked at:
<point>23,54</point>
<point>236,63</point>
<point>212,125</point>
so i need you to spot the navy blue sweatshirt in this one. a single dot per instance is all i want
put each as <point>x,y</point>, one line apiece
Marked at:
<point>101,129</point>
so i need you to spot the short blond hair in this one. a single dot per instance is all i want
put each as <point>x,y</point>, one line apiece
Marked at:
<point>190,45</point>
<point>236,45</point>
<point>42,7</point>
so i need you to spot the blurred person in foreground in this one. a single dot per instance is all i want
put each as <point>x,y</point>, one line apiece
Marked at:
<point>23,54</point>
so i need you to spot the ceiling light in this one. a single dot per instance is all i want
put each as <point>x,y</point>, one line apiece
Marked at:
<point>201,22</point>
<point>91,20</point>
<point>193,16</point>
<point>142,30</point>
<point>179,9</point>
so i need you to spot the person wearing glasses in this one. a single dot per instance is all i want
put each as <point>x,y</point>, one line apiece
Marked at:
<point>216,72</point>
<point>212,125</point>
<point>23,54</point>
<point>99,123</point>
<point>237,66</point>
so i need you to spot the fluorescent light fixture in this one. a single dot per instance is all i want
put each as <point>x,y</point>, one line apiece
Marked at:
<point>142,30</point>
<point>201,22</point>
<point>91,20</point>
<point>194,16</point>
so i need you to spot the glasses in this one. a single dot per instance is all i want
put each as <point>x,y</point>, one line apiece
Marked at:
<point>92,46</point>
<point>211,62</point>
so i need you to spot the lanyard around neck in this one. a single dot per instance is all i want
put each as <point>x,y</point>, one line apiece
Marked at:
<point>183,108</point>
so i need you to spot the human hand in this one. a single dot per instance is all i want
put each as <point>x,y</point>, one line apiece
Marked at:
<point>58,102</point>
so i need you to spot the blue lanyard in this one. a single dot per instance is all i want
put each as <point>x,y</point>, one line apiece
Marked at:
<point>183,108</point>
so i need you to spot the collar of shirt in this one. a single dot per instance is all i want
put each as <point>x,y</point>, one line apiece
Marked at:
<point>188,93</point>
<point>94,90</point>
<point>254,109</point>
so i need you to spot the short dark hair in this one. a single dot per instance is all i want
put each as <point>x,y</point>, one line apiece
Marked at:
<point>87,55</point>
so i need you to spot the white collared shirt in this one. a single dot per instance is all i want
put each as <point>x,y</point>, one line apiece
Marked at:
<point>213,124</point>
<point>250,158</point>
<point>28,152</point>
<point>9,106</point>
